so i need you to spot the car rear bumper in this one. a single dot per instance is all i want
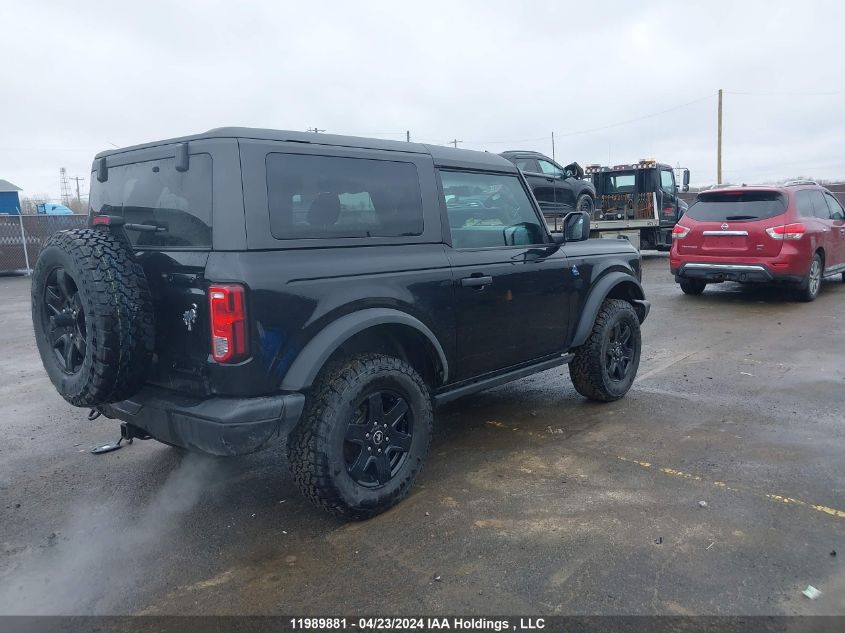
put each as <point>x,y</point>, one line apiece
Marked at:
<point>218,426</point>
<point>715,272</point>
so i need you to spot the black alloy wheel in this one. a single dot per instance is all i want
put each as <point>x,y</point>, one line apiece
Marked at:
<point>620,351</point>
<point>63,319</point>
<point>378,438</point>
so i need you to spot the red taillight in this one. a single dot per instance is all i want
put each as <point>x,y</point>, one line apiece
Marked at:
<point>98,220</point>
<point>668,210</point>
<point>679,232</point>
<point>787,231</point>
<point>227,310</point>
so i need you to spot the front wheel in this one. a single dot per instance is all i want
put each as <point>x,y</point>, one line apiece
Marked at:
<point>604,367</point>
<point>363,437</point>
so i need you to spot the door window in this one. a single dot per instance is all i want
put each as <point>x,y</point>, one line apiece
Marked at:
<point>836,211</point>
<point>549,169</point>
<point>667,181</point>
<point>487,210</point>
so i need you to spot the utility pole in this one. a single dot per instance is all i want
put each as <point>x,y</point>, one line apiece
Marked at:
<point>408,136</point>
<point>77,179</point>
<point>455,142</point>
<point>314,129</point>
<point>719,143</point>
<point>553,145</point>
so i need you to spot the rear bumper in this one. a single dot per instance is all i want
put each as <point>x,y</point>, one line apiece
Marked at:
<point>715,272</point>
<point>218,426</point>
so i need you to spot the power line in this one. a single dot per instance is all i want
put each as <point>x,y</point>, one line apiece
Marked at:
<point>597,129</point>
<point>640,118</point>
<point>785,94</point>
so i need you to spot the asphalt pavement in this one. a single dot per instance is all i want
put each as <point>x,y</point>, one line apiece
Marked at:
<point>717,486</point>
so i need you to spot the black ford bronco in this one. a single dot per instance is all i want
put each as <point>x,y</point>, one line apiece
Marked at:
<point>242,285</point>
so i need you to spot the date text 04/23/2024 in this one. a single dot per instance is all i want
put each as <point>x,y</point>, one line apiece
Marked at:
<point>418,624</point>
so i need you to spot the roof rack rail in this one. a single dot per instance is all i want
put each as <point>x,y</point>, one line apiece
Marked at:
<point>795,183</point>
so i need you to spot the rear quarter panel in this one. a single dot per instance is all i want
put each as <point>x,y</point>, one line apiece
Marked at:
<point>296,287</point>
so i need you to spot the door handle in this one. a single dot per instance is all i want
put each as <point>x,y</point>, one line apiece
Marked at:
<point>476,282</point>
<point>550,179</point>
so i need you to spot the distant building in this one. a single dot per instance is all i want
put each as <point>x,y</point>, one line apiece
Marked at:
<point>10,203</point>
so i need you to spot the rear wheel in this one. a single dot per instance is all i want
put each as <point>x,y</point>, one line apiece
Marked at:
<point>809,288</point>
<point>693,286</point>
<point>364,435</point>
<point>585,203</point>
<point>604,367</point>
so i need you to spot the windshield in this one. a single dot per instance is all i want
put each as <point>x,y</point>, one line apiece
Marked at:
<point>737,206</point>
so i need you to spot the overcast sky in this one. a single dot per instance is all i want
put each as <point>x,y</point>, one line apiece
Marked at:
<point>616,82</point>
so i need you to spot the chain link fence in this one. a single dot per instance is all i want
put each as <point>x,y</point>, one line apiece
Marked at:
<point>23,236</point>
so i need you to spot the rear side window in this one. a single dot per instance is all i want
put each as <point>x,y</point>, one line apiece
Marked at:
<point>737,206</point>
<point>153,193</point>
<point>804,203</point>
<point>335,197</point>
<point>820,207</point>
<point>528,164</point>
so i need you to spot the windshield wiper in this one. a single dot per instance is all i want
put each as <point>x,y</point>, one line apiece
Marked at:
<point>742,217</point>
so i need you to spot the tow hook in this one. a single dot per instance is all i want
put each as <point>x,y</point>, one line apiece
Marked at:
<point>128,432</point>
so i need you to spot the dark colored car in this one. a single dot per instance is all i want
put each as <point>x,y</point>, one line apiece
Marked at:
<point>241,285</point>
<point>793,235</point>
<point>557,189</point>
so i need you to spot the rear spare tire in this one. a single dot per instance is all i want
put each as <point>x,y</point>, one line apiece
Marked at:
<point>93,316</point>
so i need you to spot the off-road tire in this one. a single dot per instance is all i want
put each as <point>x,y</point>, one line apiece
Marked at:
<point>589,368</point>
<point>810,286</point>
<point>315,446</point>
<point>115,310</point>
<point>693,286</point>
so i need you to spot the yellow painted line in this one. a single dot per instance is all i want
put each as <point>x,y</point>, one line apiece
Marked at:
<point>839,514</point>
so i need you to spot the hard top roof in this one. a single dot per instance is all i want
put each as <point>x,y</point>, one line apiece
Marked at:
<point>442,156</point>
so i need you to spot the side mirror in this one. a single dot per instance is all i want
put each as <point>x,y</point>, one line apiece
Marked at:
<point>576,226</point>
<point>686,181</point>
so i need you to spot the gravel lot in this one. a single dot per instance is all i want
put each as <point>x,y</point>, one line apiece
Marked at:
<point>533,501</point>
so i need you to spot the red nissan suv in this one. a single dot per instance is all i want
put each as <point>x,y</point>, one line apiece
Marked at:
<point>793,234</point>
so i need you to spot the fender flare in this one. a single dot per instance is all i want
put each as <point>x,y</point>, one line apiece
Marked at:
<point>598,294</point>
<point>317,351</point>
